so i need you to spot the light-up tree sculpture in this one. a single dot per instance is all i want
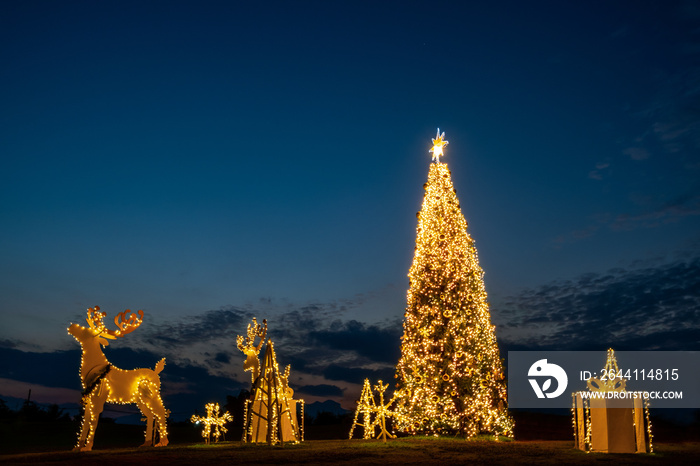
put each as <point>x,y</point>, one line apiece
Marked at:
<point>374,414</point>
<point>450,374</point>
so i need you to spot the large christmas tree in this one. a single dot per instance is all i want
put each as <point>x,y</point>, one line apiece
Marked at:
<point>450,374</point>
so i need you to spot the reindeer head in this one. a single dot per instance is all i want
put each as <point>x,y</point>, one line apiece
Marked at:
<point>249,348</point>
<point>97,330</point>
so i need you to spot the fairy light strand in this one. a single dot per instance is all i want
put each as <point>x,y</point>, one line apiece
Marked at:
<point>212,419</point>
<point>104,383</point>
<point>450,375</point>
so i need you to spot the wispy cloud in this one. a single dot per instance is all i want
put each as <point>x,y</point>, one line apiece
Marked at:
<point>636,153</point>
<point>322,348</point>
<point>602,169</point>
<point>669,122</point>
<point>684,206</point>
<point>641,307</point>
<point>650,214</point>
<point>633,309</point>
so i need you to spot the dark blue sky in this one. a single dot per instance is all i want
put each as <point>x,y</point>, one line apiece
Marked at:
<point>211,161</point>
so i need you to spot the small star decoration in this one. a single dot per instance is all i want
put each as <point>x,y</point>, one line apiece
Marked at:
<point>438,144</point>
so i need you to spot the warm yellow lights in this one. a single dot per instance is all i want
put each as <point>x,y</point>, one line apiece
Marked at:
<point>104,383</point>
<point>438,146</point>
<point>250,349</point>
<point>450,375</point>
<point>374,414</point>
<point>604,384</point>
<point>591,417</point>
<point>212,419</point>
<point>271,411</point>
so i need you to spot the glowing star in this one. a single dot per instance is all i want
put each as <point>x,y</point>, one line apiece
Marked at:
<point>104,383</point>
<point>438,144</point>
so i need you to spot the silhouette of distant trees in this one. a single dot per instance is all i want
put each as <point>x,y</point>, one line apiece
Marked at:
<point>32,412</point>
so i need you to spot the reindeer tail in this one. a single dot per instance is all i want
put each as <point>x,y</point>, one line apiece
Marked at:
<point>159,366</point>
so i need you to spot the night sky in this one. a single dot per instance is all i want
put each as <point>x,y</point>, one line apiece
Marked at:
<point>208,162</point>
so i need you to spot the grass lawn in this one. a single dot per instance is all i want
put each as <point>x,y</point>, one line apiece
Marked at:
<point>442,451</point>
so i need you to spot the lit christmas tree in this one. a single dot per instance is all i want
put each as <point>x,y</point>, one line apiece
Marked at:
<point>450,375</point>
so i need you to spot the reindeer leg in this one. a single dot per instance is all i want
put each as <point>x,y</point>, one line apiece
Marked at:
<point>86,425</point>
<point>93,408</point>
<point>148,413</point>
<point>148,401</point>
<point>159,411</point>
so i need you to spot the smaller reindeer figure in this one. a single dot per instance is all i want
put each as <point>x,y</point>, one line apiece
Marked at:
<point>252,363</point>
<point>104,383</point>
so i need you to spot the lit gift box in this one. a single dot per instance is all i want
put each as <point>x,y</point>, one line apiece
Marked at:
<point>608,418</point>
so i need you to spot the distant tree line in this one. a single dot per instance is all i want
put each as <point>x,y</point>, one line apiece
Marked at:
<point>32,412</point>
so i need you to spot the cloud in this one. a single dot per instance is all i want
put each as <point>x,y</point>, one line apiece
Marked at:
<point>652,308</point>
<point>57,369</point>
<point>323,390</point>
<point>653,214</point>
<point>636,153</point>
<point>602,169</point>
<point>357,375</point>
<point>683,206</point>
<point>209,325</point>
<point>669,121</point>
<point>39,393</point>
<point>7,344</point>
<point>373,342</point>
<point>641,307</point>
<point>321,347</point>
<point>204,364</point>
<point>55,378</point>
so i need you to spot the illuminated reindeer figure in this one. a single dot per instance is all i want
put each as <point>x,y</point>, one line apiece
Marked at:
<point>104,383</point>
<point>270,413</point>
<point>252,363</point>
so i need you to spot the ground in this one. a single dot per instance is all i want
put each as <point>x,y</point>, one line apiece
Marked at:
<point>443,451</point>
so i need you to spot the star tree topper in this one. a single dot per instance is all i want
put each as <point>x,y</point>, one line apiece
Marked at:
<point>438,144</point>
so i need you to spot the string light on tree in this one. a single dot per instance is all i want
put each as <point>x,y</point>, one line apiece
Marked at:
<point>450,374</point>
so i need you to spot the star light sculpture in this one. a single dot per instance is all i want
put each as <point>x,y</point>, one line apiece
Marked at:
<point>213,418</point>
<point>438,144</point>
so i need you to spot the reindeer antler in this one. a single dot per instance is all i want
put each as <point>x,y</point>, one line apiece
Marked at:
<point>94,319</point>
<point>254,330</point>
<point>125,325</point>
